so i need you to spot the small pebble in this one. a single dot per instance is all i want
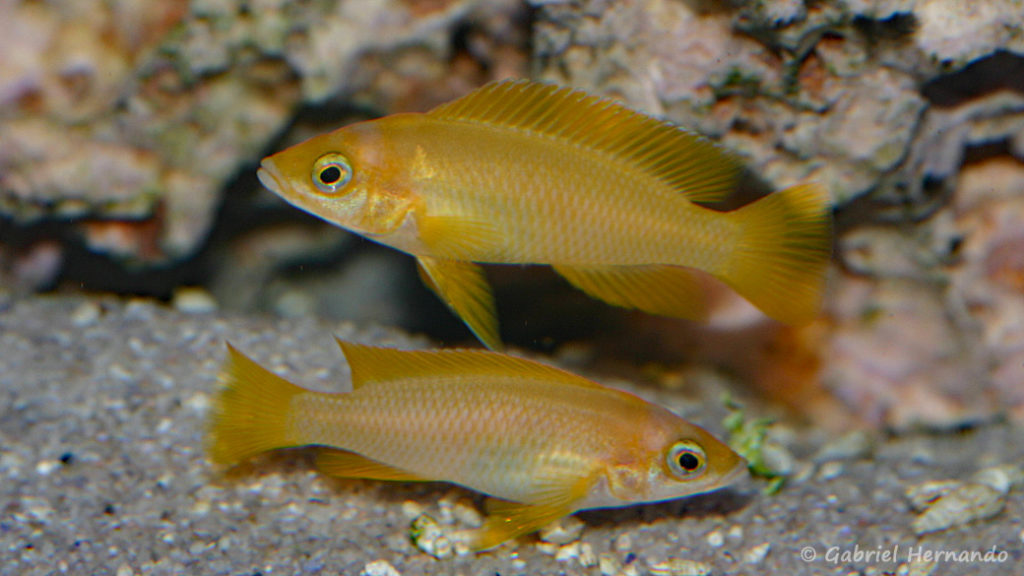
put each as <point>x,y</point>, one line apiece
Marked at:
<point>446,508</point>
<point>757,554</point>
<point>830,470</point>
<point>608,564</point>
<point>568,552</point>
<point>426,534</point>
<point>86,314</point>
<point>192,300</point>
<point>412,509</point>
<point>46,467</point>
<point>1001,478</point>
<point>623,543</point>
<point>37,508</point>
<point>803,472</point>
<point>736,532</point>
<point>380,568</point>
<point>125,570</point>
<point>850,446</point>
<point>680,567</point>
<point>563,531</point>
<point>715,539</point>
<point>198,402</point>
<point>587,557</point>
<point>295,304</point>
<point>467,514</point>
<point>777,458</point>
<point>549,548</point>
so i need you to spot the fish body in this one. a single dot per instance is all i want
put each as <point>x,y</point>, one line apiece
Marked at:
<point>523,220</point>
<point>544,441</point>
<point>525,173</point>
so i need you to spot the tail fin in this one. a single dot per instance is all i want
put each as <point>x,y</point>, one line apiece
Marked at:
<point>251,411</point>
<point>780,259</point>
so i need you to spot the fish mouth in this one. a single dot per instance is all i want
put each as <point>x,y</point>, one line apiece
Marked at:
<point>740,472</point>
<point>738,478</point>
<point>270,177</point>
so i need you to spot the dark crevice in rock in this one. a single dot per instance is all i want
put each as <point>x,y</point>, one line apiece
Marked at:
<point>1000,71</point>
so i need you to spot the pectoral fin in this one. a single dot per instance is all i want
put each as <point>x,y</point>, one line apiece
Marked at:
<point>463,287</point>
<point>459,238</point>
<point>658,289</point>
<point>508,520</point>
<point>345,464</point>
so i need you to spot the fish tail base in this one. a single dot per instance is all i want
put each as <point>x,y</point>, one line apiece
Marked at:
<point>780,259</point>
<point>251,412</point>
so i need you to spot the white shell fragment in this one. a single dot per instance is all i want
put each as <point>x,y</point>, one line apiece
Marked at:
<point>562,531</point>
<point>757,554</point>
<point>945,504</point>
<point>923,495</point>
<point>380,568</point>
<point>680,567</point>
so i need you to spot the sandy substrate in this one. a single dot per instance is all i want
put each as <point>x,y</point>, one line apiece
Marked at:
<point>103,405</point>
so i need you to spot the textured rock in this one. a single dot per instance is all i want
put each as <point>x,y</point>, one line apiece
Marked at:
<point>882,101</point>
<point>824,90</point>
<point>142,111</point>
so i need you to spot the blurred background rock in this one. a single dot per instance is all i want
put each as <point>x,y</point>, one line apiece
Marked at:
<point>130,132</point>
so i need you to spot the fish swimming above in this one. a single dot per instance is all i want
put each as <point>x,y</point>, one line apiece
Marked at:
<point>543,441</point>
<point>519,172</point>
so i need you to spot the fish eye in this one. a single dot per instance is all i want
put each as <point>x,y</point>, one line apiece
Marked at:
<point>331,173</point>
<point>686,459</point>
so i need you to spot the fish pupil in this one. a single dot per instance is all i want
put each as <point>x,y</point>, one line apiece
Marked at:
<point>688,461</point>
<point>330,175</point>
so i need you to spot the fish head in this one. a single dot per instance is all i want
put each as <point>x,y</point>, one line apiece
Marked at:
<point>344,177</point>
<point>673,458</point>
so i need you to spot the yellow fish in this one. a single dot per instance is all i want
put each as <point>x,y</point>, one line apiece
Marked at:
<point>544,441</point>
<point>524,173</point>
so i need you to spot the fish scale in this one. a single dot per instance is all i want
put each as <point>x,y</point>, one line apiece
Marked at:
<point>541,227</point>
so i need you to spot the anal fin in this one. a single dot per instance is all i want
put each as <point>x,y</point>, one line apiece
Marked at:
<point>345,464</point>
<point>657,289</point>
<point>463,287</point>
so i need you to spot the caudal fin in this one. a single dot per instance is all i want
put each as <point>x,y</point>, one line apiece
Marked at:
<point>251,411</point>
<point>780,259</point>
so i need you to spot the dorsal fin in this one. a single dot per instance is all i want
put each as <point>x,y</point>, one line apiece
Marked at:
<point>687,162</point>
<point>371,364</point>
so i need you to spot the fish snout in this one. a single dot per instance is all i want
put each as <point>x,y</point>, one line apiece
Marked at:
<point>738,478</point>
<point>270,177</point>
